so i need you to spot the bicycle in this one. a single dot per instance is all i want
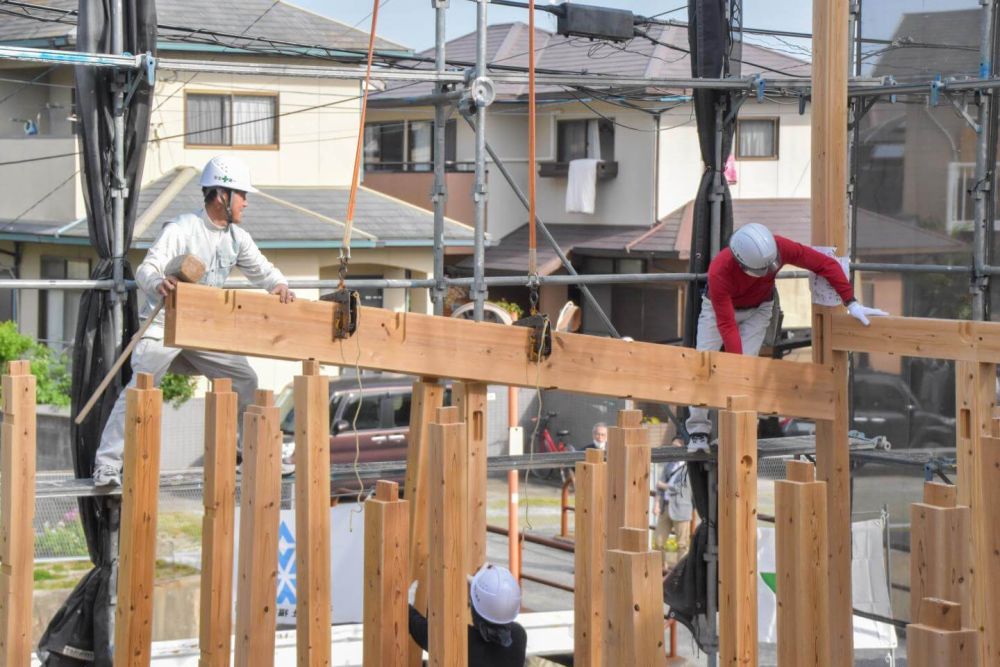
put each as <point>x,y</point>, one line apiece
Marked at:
<point>546,444</point>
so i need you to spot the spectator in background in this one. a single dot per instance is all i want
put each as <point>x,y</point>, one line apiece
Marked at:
<point>599,437</point>
<point>674,509</point>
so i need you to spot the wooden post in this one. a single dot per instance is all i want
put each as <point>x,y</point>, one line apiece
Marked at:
<point>589,556</point>
<point>312,516</point>
<point>260,507</point>
<point>940,558</point>
<point>446,619</point>
<point>634,605</point>
<point>801,560</point>
<point>218,525</point>
<point>629,456</point>
<point>737,534</point>
<point>387,571</point>
<point>427,397</point>
<point>137,552</point>
<point>986,560</point>
<point>17,514</point>
<point>470,398</point>
<point>938,638</point>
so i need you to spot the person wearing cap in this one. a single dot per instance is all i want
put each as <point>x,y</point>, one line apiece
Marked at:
<point>495,639</point>
<point>736,310</point>
<point>215,236</point>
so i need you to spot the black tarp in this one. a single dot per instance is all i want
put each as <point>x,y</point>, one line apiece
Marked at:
<point>79,633</point>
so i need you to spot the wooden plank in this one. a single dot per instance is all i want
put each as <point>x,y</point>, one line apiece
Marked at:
<point>629,456</point>
<point>588,558</point>
<point>938,640</point>
<point>260,505</point>
<point>449,521</point>
<point>137,551</point>
<point>737,538</point>
<point>17,535</point>
<point>634,609</point>
<point>218,526</point>
<point>470,398</point>
<point>427,397</point>
<point>312,516</point>
<point>986,559</point>
<point>957,340</point>
<point>386,615</point>
<point>801,563</point>
<point>940,550</point>
<point>239,321</point>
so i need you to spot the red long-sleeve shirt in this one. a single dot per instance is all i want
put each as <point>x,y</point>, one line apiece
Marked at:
<point>730,288</point>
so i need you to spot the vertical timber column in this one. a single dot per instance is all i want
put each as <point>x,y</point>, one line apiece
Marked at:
<point>427,397</point>
<point>940,555</point>
<point>17,514</point>
<point>589,557</point>
<point>629,456</point>
<point>737,534</point>
<point>218,525</point>
<point>801,560</point>
<point>260,507</point>
<point>447,644</point>
<point>387,572</point>
<point>470,398</point>
<point>938,639</point>
<point>312,516</point>
<point>137,553</point>
<point>633,633</point>
<point>986,530</point>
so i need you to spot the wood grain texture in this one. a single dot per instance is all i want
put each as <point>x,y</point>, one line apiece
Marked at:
<point>628,455</point>
<point>590,526</point>
<point>633,618</point>
<point>940,554</point>
<point>957,340</point>
<point>939,640</point>
<point>470,399</point>
<point>387,573</point>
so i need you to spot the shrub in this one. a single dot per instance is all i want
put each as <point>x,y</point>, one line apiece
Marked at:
<point>51,370</point>
<point>177,389</point>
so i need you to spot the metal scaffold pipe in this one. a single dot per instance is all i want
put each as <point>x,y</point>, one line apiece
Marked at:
<point>440,193</point>
<point>479,194</point>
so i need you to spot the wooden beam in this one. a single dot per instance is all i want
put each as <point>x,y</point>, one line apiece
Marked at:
<point>589,555</point>
<point>218,525</point>
<point>938,639</point>
<point>137,551</point>
<point>629,456</point>
<point>17,514</point>
<point>387,577</point>
<point>940,557</point>
<point>260,510</point>
<point>986,558</point>
<point>737,535</point>
<point>634,603</point>
<point>426,398</point>
<point>243,322</point>
<point>312,516</point>
<point>470,399</point>
<point>801,560</point>
<point>957,340</point>
<point>447,644</point>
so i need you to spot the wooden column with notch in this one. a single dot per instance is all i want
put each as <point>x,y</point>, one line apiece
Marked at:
<point>470,399</point>
<point>801,560</point>
<point>589,558</point>
<point>218,526</point>
<point>737,534</point>
<point>312,516</point>
<point>387,578</point>
<point>633,633</point>
<point>938,638</point>
<point>986,531</point>
<point>629,456</point>
<point>940,556</point>
<point>427,397</point>
<point>137,551</point>
<point>260,517</point>
<point>17,514</point>
<point>449,521</point>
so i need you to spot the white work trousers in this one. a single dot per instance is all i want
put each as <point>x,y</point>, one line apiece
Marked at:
<point>151,356</point>
<point>753,324</point>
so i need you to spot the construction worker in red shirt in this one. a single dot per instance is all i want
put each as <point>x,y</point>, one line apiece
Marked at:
<point>736,310</point>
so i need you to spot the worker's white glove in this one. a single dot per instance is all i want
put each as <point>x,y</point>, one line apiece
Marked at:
<point>861,312</point>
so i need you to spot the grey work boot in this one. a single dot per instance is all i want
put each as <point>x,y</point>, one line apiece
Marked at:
<point>698,443</point>
<point>107,476</point>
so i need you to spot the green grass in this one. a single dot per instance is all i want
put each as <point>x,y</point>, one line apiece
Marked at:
<point>65,575</point>
<point>179,524</point>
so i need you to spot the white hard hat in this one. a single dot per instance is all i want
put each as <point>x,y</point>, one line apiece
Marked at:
<point>224,171</point>
<point>495,594</point>
<point>755,249</point>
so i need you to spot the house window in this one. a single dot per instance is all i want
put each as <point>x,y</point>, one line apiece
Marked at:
<point>406,145</point>
<point>586,138</point>
<point>757,139</point>
<point>231,120</point>
<point>57,309</point>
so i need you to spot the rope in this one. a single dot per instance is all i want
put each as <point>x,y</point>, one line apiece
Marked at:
<point>354,421</point>
<point>532,239</point>
<point>538,425</point>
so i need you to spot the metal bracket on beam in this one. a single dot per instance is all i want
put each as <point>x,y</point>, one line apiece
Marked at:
<point>937,87</point>
<point>345,312</point>
<point>760,86</point>
<point>962,107</point>
<point>540,340</point>
<point>479,93</point>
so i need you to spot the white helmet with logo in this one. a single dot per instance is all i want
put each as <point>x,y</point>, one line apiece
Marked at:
<point>224,171</point>
<point>495,594</point>
<point>755,249</point>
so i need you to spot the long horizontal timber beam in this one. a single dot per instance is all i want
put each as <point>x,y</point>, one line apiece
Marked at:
<point>958,340</point>
<point>255,324</point>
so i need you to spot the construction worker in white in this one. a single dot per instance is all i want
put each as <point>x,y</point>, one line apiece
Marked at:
<point>213,235</point>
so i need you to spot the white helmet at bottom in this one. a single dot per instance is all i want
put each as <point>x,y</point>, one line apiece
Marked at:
<point>755,250</point>
<point>495,594</point>
<point>224,171</point>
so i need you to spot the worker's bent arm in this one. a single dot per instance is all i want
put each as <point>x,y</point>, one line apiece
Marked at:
<point>255,266</point>
<point>169,244</point>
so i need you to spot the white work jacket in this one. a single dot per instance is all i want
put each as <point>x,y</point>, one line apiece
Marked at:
<point>220,248</point>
